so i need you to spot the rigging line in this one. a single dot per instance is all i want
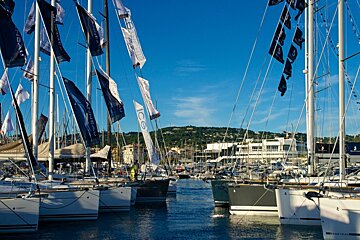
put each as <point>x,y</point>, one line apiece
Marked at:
<point>270,111</point>
<point>246,71</point>
<point>342,122</point>
<point>288,116</point>
<point>16,214</point>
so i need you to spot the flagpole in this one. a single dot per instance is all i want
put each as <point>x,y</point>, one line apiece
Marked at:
<point>88,89</point>
<point>107,55</point>
<point>35,85</point>
<point>51,103</point>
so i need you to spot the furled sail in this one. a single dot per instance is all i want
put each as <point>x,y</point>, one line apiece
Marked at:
<point>145,92</point>
<point>46,11</point>
<point>112,99</point>
<point>92,30</point>
<point>144,129</point>
<point>12,46</point>
<point>83,113</point>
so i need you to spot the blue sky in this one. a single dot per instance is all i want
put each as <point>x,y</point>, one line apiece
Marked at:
<point>197,52</point>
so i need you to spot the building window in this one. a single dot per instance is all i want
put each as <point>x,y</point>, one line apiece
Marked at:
<point>272,148</point>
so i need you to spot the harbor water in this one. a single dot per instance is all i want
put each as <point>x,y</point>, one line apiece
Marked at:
<point>188,215</point>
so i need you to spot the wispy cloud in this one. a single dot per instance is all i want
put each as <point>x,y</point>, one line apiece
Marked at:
<point>195,110</point>
<point>189,66</point>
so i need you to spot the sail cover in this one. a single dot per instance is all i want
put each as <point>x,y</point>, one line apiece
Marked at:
<point>112,99</point>
<point>92,30</point>
<point>46,9</point>
<point>83,113</point>
<point>145,92</point>
<point>144,130</point>
<point>133,44</point>
<point>11,43</point>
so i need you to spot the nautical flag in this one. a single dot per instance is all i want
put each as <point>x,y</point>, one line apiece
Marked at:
<point>300,5</point>
<point>44,42</point>
<point>11,43</point>
<point>60,13</point>
<point>280,34</point>
<point>285,17</point>
<point>292,3</point>
<point>29,71</point>
<point>298,37</point>
<point>288,69</point>
<point>23,132</point>
<point>83,113</point>
<point>276,51</point>
<point>30,20</point>
<point>282,86</point>
<point>8,125</point>
<point>92,31</point>
<point>133,44</point>
<point>112,99</point>
<point>46,9</point>
<point>7,7</point>
<point>121,10</point>
<point>139,109</point>
<point>145,92</point>
<point>292,53</point>
<point>4,82</point>
<point>21,95</point>
<point>40,126</point>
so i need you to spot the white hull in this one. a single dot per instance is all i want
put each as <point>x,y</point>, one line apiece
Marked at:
<point>115,199</point>
<point>69,205</point>
<point>295,209</point>
<point>253,210</point>
<point>19,215</point>
<point>340,218</point>
<point>133,195</point>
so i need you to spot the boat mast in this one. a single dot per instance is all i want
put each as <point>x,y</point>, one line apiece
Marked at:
<point>310,90</point>
<point>52,104</point>
<point>341,91</point>
<point>35,85</point>
<point>107,52</point>
<point>88,89</point>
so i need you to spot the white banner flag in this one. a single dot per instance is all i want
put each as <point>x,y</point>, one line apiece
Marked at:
<point>145,132</point>
<point>145,92</point>
<point>7,125</point>
<point>21,95</point>
<point>121,10</point>
<point>29,71</point>
<point>133,44</point>
<point>4,82</point>
<point>60,13</point>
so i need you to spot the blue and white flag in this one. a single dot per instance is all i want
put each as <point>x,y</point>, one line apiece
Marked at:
<point>112,99</point>
<point>83,113</point>
<point>120,9</point>
<point>21,95</point>
<point>145,132</point>
<point>8,125</point>
<point>12,46</point>
<point>4,82</point>
<point>145,92</point>
<point>92,30</point>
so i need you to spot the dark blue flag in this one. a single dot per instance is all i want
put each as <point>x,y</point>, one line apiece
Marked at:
<point>27,147</point>
<point>280,34</point>
<point>48,13</point>
<point>286,18</point>
<point>83,113</point>
<point>11,43</point>
<point>298,37</point>
<point>274,2</point>
<point>282,86</point>
<point>7,7</point>
<point>300,5</point>
<point>276,51</point>
<point>288,69</point>
<point>90,28</point>
<point>40,126</point>
<point>113,103</point>
<point>292,53</point>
